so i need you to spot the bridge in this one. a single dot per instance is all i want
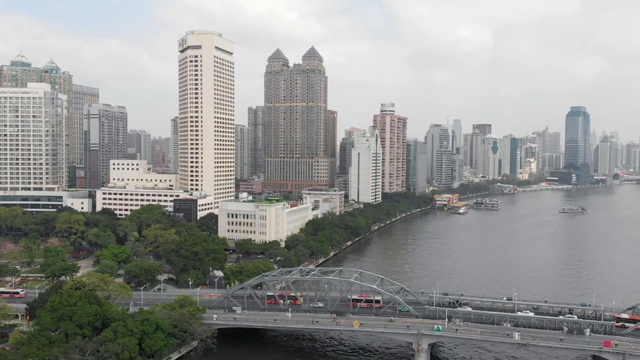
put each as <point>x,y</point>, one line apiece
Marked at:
<point>321,299</point>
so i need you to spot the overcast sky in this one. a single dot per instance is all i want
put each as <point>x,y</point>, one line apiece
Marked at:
<point>518,65</point>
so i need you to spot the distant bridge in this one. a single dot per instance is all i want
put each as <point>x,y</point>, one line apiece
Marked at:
<point>401,314</point>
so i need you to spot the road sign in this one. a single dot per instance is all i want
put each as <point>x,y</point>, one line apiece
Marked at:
<point>437,328</point>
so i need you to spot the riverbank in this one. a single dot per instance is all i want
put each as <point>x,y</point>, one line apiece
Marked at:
<point>375,228</point>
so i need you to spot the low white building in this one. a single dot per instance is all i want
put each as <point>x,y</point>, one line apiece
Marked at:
<point>123,199</point>
<point>43,201</point>
<point>140,172</point>
<point>324,200</point>
<point>261,221</point>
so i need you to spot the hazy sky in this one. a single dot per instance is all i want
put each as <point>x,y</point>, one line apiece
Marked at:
<point>518,65</point>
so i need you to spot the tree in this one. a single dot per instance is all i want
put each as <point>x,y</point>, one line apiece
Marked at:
<point>208,224</point>
<point>30,247</point>
<point>56,264</point>
<point>118,254</point>
<point>185,317</point>
<point>126,231</point>
<point>108,267</point>
<point>42,299</point>
<point>46,223</point>
<point>148,215</point>
<point>142,272</point>
<point>71,228</point>
<point>100,239</point>
<point>157,237</point>
<point>247,270</point>
<point>101,284</point>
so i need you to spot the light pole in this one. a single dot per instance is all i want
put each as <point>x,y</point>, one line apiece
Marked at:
<point>515,299</point>
<point>199,296</point>
<point>37,286</point>
<point>602,309</point>
<point>142,296</point>
<point>162,283</point>
<point>190,283</point>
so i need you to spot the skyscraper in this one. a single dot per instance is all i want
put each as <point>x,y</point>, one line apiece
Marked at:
<point>417,164</point>
<point>106,140</point>
<point>206,98</point>
<point>393,139</point>
<point>577,146</point>
<point>139,146</point>
<point>365,171</point>
<point>492,157</point>
<point>456,136</point>
<point>607,154</point>
<point>82,95</point>
<point>256,141</point>
<point>175,144</point>
<point>299,133</point>
<point>438,155</point>
<point>32,149</point>
<point>242,152</point>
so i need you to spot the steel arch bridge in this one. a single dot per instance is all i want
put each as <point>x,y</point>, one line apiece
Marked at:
<point>331,286</point>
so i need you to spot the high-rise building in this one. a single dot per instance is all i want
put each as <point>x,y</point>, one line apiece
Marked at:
<point>344,153</point>
<point>476,150</point>
<point>438,155</point>
<point>242,152</point>
<point>299,133</point>
<point>256,141</point>
<point>484,129</point>
<point>456,136</point>
<point>492,157</point>
<point>365,172</point>
<point>32,150</point>
<point>466,150</point>
<point>417,164</point>
<point>175,144</point>
<point>139,146</point>
<point>207,114</point>
<point>106,140</point>
<point>629,153</point>
<point>577,146</point>
<point>393,139</point>
<point>509,162</point>
<point>606,160</point>
<point>82,95</point>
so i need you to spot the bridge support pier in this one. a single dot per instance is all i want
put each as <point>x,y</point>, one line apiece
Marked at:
<point>422,347</point>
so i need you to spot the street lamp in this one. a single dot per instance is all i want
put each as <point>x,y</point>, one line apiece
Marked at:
<point>216,285</point>
<point>198,300</point>
<point>37,286</point>
<point>190,283</point>
<point>142,295</point>
<point>515,299</point>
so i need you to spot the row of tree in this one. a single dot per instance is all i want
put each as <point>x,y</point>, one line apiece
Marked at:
<point>78,319</point>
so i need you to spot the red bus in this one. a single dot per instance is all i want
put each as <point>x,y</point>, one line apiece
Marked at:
<point>366,301</point>
<point>628,317</point>
<point>288,298</point>
<point>12,293</point>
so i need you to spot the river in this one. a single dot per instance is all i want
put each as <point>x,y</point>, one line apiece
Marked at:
<point>527,248</point>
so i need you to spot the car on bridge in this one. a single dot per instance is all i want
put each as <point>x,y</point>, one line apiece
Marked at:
<point>317,304</point>
<point>468,308</point>
<point>403,309</point>
<point>568,317</point>
<point>526,312</point>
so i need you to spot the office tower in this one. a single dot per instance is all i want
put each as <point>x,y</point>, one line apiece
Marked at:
<point>393,139</point>
<point>344,158</point>
<point>333,133</point>
<point>256,141</point>
<point>417,164</point>
<point>484,129</point>
<point>492,157</point>
<point>528,149</point>
<point>438,156</point>
<point>139,146</point>
<point>82,95</point>
<point>106,140</point>
<point>552,162</point>
<point>606,160</point>
<point>299,133</point>
<point>509,162</point>
<point>20,72</point>
<point>242,152</point>
<point>32,152</point>
<point>629,153</point>
<point>175,144</point>
<point>207,114</point>
<point>160,148</point>
<point>466,149</point>
<point>365,172</point>
<point>456,136</point>
<point>476,152</point>
<point>577,146</point>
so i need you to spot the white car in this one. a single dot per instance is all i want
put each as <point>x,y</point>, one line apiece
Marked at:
<point>317,305</point>
<point>572,317</point>
<point>464,308</point>
<point>526,312</point>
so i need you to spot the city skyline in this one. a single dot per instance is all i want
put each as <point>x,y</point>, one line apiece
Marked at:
<point>473,62</point>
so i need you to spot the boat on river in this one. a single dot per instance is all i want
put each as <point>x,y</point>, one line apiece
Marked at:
<point>487,204</point>
<point>573,210</point>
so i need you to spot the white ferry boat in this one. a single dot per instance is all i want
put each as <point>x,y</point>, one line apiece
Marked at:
<point>573,210</point>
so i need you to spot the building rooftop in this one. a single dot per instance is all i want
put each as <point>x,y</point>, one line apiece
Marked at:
<point>312,53</point>
<point>278,56</point>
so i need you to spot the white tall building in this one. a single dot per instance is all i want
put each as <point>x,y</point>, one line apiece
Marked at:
<point>456,136</point>
<point>207,114</point>
<point>82,95</point>
<point>32,129</point>
<point>106,140</point>
<point>242,152</point>
<point>607,155</point>
<point>438,155</point>
<point>492,157</point>
<point>365,172</point>
<point>393,139</point>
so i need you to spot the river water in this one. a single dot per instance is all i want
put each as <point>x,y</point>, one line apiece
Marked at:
<point>527,248</point>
